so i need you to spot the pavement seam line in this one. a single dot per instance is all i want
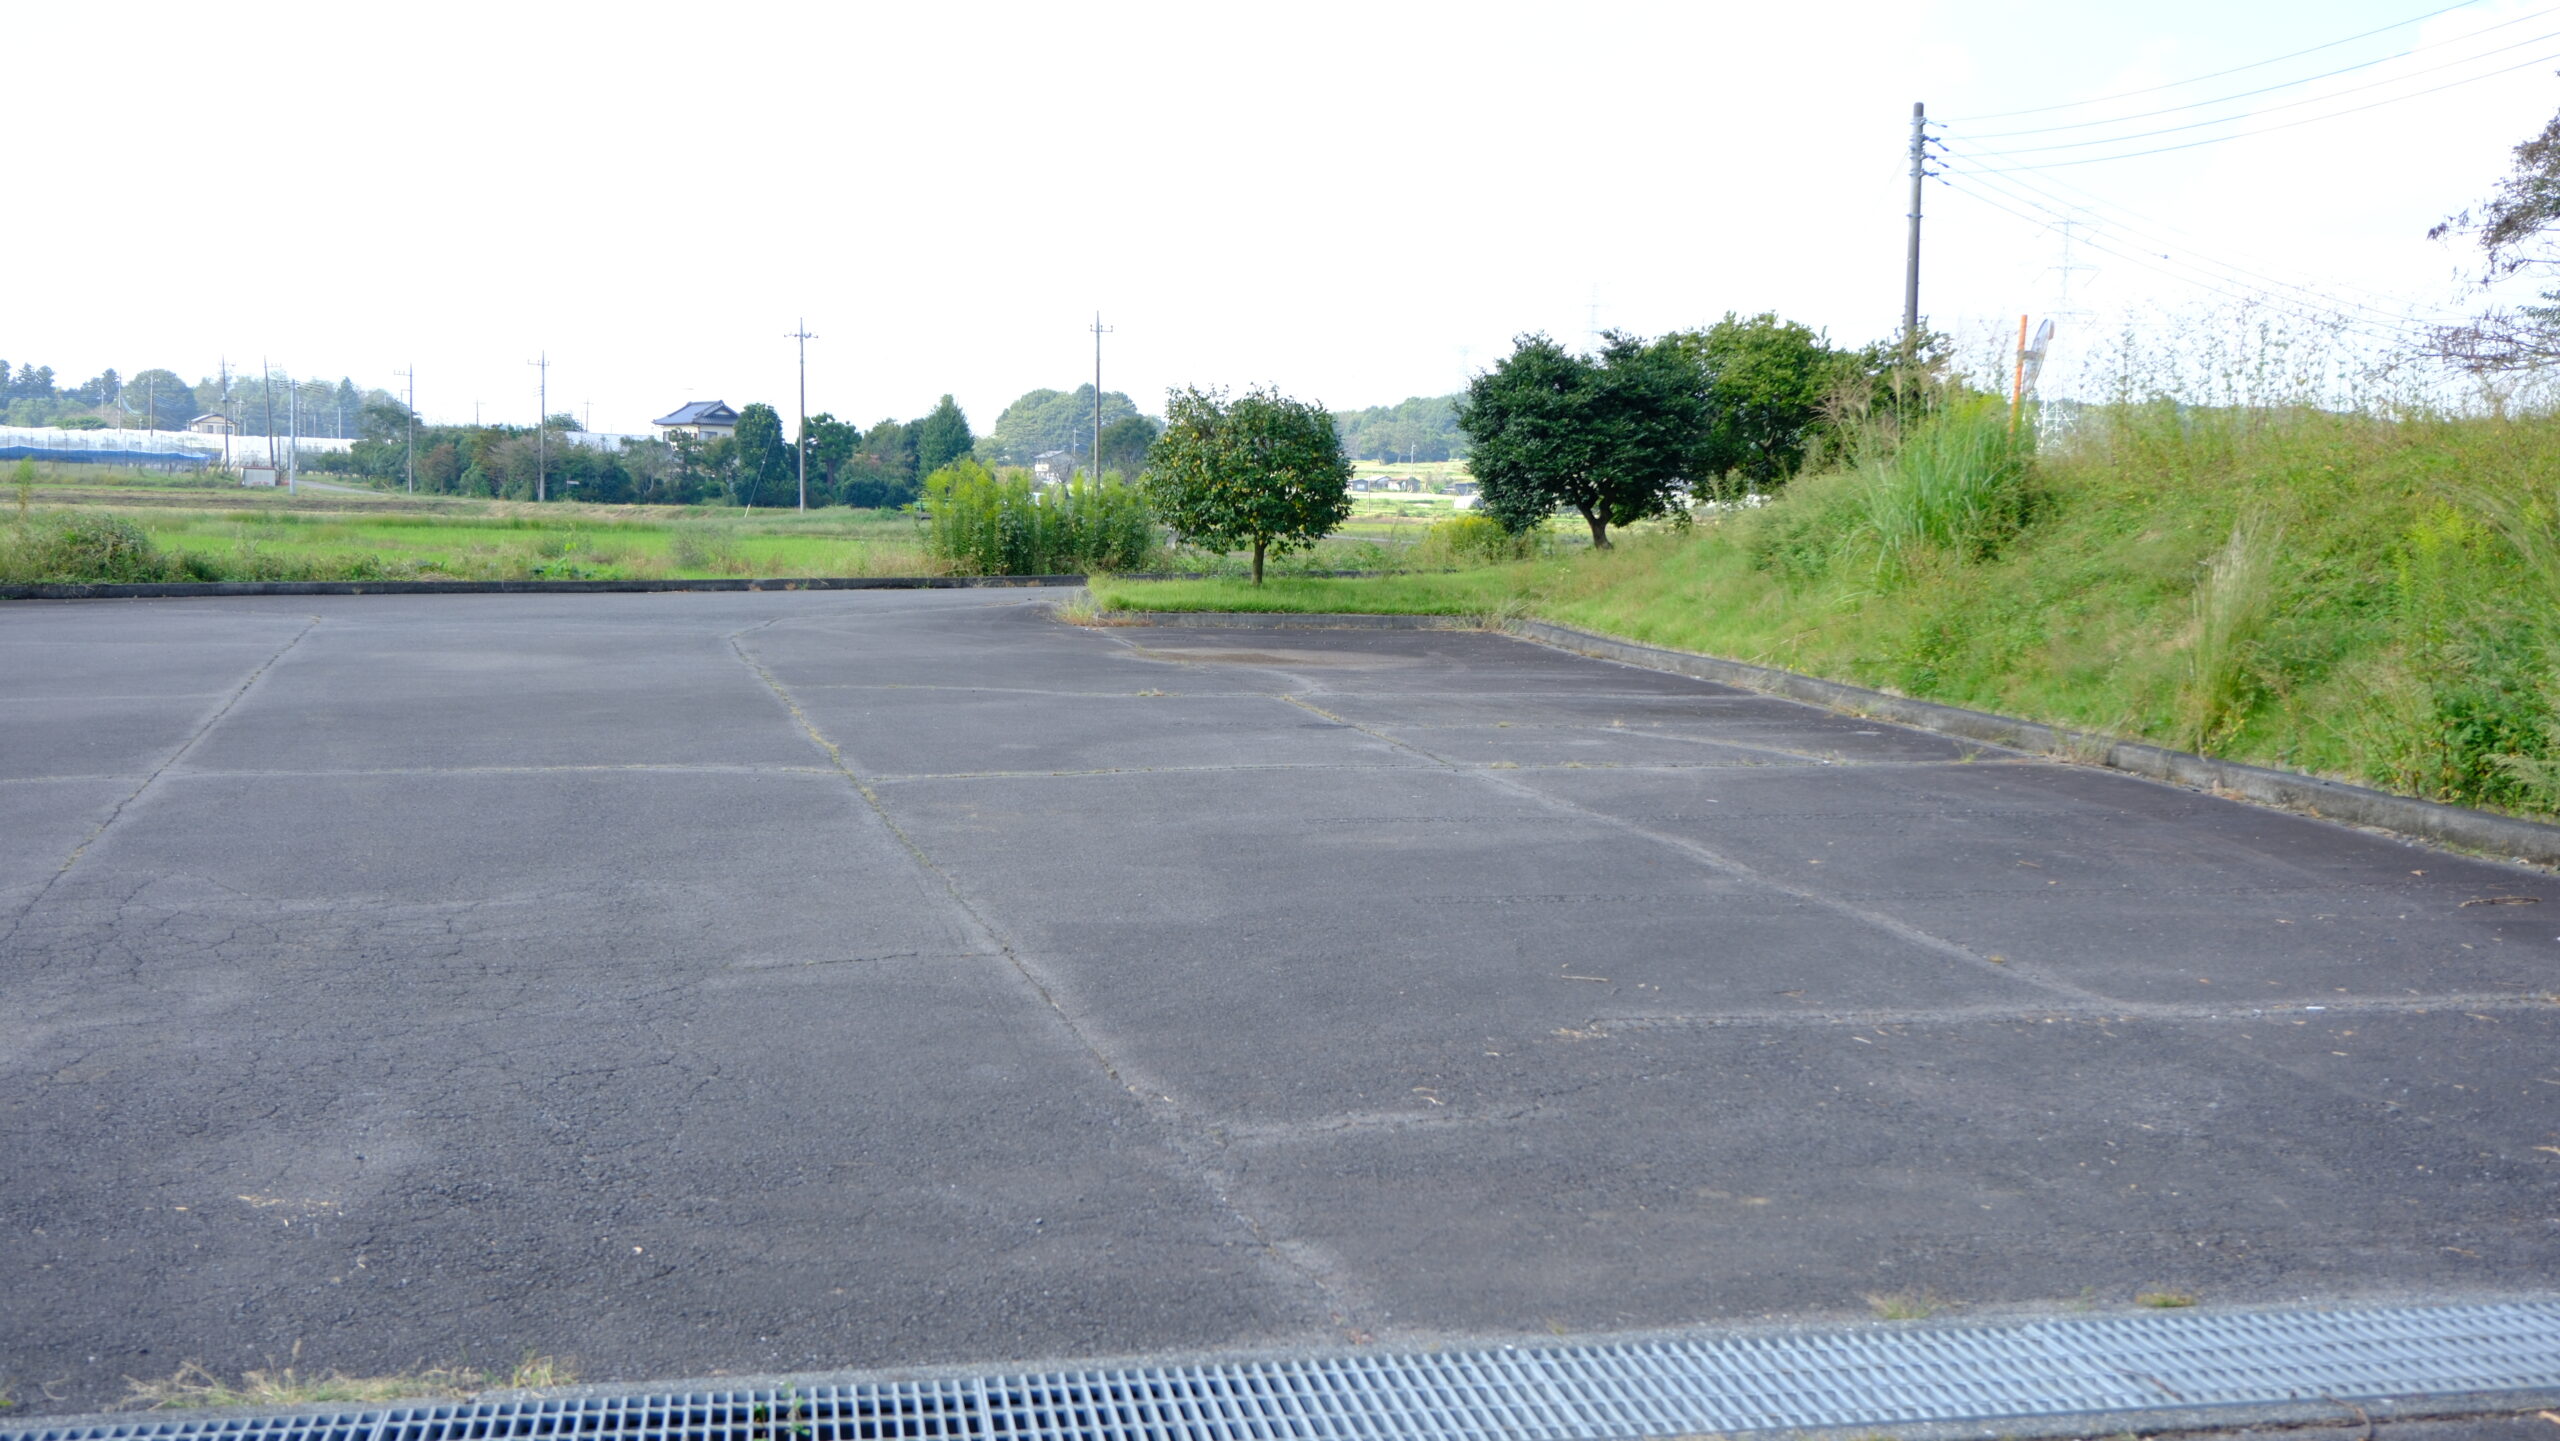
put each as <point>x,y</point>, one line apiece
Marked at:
<point>1915,935</point>
<point>1716,860</point>
<point>1290,1255</point>
<point>203,729</point>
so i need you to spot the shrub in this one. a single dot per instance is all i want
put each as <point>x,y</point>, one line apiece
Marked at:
<point>1469,540</point>
<point>92,550</point>
<point>978,522</point>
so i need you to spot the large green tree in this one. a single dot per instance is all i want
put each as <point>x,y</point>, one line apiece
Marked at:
<point>1261,470</point>
<point>160,399</point>
<point>1611,435</point>
<point>942,437</point>
<point>1046,420</point>
<point>765,467</point>
<point>1125,443</point>
<point>1766,382</point>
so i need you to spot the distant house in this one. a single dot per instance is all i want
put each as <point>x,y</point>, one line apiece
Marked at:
<point>211,424</point>
<point>702,419</point>
<point>1053,467</point>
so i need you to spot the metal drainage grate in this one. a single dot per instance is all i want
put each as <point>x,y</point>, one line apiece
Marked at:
<point>1776,1381</point>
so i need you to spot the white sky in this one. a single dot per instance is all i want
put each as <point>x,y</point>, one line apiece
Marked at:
<point>1356,202</point>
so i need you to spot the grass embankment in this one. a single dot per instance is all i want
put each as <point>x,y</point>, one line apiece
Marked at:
<point>2339,594</point>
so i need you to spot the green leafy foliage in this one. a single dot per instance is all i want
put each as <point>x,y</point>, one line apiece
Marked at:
<point>1046,420</point>
<point>766,473</point>
<point>1261,471</point>
<point>1422,427</point>
<point>980,522</point>
<point>1126,443</point>
<point>1472,540</point>
<point>89,549</point>
<point>161,400</point>
<point>942,437</point>
<point>1610,436</point>
<point>1766,383</point>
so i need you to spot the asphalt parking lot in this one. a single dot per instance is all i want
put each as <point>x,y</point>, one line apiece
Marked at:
<point>688,984</point>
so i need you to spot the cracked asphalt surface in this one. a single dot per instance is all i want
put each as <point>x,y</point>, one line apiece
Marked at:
<point>696,983</point>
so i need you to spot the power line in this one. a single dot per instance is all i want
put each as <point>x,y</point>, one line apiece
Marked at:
<point>2203,274</point>
<point>2280,85</point>
<point>2271,129</point>
<point>2218,74</point>
<point>2266,110</point>
<point>2037,196</point>
<point>2372,330</point>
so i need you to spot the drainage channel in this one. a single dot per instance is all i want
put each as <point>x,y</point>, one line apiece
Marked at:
<point>2040,1377</point>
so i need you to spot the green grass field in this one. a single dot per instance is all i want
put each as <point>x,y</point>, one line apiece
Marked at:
<point>214,530</point>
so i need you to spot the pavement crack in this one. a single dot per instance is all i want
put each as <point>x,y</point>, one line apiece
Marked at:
<point>173,759</point>
<point>1718,861</point>
<point>1321,1282</point>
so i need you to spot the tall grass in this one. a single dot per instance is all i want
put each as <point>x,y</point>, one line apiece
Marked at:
<point>2231,606</point>
<point>1956,484</point>
<point>978,522</point>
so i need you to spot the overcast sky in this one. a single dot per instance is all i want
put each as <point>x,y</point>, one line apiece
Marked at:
<point>1354,202</point>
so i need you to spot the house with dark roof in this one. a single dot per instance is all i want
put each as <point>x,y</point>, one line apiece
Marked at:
<point>702,419</point>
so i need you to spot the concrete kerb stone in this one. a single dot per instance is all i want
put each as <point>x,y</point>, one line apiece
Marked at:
<point>178,590</point>
<point>2478,831</point>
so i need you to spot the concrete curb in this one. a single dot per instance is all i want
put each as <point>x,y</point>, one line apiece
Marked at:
<point>176,590</point>
<point>1294,620</point>
<point>2480,831</point>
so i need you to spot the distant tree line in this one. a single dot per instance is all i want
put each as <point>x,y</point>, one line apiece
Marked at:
<point>882,467</point>
<point>1422,428</point>
<point>157,399</point>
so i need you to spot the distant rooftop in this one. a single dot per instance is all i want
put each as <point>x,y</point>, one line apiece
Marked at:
<point>699,412</point>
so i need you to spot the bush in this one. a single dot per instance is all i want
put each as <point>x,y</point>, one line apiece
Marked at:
<point>978,522</point>
<point>92,550</point>
<point>1465,541</point>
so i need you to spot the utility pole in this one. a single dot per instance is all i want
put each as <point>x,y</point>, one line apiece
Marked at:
<point>1099,330</point>
<point>267,381</point>
<point>411,375</point>
<point>151,403</point>
<point>1911,270</point>
<point>293,439</point>
<point>542,429</point>
<point>804,337</point>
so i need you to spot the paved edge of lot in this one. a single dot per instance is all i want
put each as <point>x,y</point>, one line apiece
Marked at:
<point>2484,832</point>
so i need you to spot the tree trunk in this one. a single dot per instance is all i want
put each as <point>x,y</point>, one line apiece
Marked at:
<point>1258,543</point>
<point>1599,527</point>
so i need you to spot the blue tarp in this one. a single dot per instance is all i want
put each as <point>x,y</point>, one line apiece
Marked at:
<point>159,459</point>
